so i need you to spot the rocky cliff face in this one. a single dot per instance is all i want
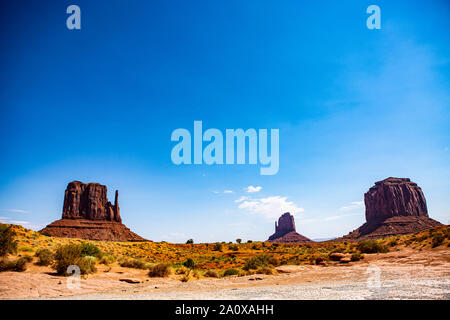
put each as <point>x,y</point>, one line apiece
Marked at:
<point>394,197</point>
<point>285,231</point>
<point>87,214</point>
<point>89,201</point>
<point>394,206</point>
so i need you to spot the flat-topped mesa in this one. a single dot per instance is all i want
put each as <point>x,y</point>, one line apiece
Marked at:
<point>394,206</point>
<point>89,201</point>
<point>285,231</point>
<point>393,197</point>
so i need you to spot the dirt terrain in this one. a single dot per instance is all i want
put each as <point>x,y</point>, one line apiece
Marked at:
<point>401,274</point>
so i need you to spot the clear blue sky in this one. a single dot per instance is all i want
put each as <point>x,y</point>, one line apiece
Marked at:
<point>353,106</point>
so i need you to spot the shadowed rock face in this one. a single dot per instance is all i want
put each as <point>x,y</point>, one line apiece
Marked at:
<point>394,206</point>
<point>285,231</point>
<point>87,214</point>
<point>394,197</point>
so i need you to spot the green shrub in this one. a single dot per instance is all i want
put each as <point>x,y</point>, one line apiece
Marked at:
<point>256,262</point>
<point>230,272</point>
<point>372,246</point>
<point>234,248</point>
<point>190,241</point>
<point>134,263</point>
<point>45,257</point>
<point>437,240</point>
<point>7,242</point>
<point>88,249</point>
<point>189,263</point>
<point>217,247</point>
<point>71,254</point>
<point>238,240</point>
<point>160,270</point>
<point>46,233</point>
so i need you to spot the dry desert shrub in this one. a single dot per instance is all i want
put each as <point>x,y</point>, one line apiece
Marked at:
<point>18,265</point>
<point>71,254</point>
<point>211,274</point>
<point>160,270</point>
<point>45,257</point>
<point>134,263</point>
<point>8,244</point>
<point>230,272</point>
<point>372,246</point>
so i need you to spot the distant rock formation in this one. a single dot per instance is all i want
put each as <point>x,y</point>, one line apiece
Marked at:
<point>285,231</point>
<point>89,201</point>
<point>87,214</point>
<point>394,206</point>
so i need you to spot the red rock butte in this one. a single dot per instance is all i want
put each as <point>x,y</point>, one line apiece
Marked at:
<point>285,231</point>
<point>87,214</point>
<point>394,206</point>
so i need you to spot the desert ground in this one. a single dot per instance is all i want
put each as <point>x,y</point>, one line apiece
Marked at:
<point>403,274</point>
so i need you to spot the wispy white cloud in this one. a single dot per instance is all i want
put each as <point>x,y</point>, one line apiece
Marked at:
<point>15,210</point>
<point>242,198</point>
<point>224,191</point>
<point>270,207</point>
<point>354,205</point>
<point>252,189</point>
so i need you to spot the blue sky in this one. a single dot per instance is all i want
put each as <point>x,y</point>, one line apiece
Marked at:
<point>99,104</point>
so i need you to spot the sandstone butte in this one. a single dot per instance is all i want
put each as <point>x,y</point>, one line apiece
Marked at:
<point>87,214</point>
<point>285,231</point>
<point>394,206</point>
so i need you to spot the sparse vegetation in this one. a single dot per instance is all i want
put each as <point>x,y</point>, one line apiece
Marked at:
<point>45,257</point>
<point>8,244</point>
<point>372,246</point>
<point>211,274</point>
<point>230,272</point>
<point>88,249</point>
<point>134,263</point>
<point>208,259</point>
<point>18,265</point>
<point>256,262</point>
<point>71,254</point>
<point>189,263</point>
<point>437,240</point>
<point>190,241</point>
<point>160,270</point>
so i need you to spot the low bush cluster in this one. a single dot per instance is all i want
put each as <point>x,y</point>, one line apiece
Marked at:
<point>134,263</point>
<point>372,246</point>
<point>71,254</point>
<point>45,257</point>
<point>160,270</point>
<point>256,262</point>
